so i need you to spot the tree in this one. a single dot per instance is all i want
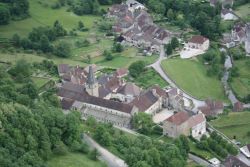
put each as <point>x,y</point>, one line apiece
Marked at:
<point>136,68</point>
<point>169,49</point>
<point>16,40</point>
<point>45,44</point>
<point>117,47</point>
<point>174,43</point>
<point>63,49</point>
<point>170,14</point>
<point>80,25</point>
<point>108,56</point>
<point>59,30</point>
<point>143,123</point>
<point>4,15</point>
<point>93,154</point>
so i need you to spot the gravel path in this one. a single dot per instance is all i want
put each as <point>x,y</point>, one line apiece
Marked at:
<point>106,156</point>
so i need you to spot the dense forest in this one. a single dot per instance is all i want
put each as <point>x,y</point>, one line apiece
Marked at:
<point>32,127</point>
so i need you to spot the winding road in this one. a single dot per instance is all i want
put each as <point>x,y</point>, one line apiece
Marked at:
<point>157,67</point>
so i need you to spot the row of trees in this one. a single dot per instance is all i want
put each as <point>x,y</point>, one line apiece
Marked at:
<point>141,151</point>
<point>214,59</point>
<point>217,144</point>
<point>13,9</point>
<point>41,39</point>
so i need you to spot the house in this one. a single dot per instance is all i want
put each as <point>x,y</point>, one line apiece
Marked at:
<point>212,108</point>
<point>134,5</point>
<point>246,150</point>
<point>63,69</point>
<point>227,14</point>
<point>150,101</point>
<point>227,40</point>
<point>183,124</point>
<point>238,106</point>
<point>175,99</point>
<point>233,161</point>
<point>198,42</point>
<point>121,72</point>
<point>127,92</point>
<point>239,33</point>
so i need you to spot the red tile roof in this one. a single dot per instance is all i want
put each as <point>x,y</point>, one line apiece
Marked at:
<point>198,39</point>
<point>178,118</point>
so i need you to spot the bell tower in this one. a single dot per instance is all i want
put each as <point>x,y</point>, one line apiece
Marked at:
<point>91,84</point>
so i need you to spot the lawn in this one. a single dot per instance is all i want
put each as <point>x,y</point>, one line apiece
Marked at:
<point>191,76</point>
<point>241,84</point>
<point>74,160</point>
<point>150,77</point>
<point>13,57</point>
<point>244,11</point>
<point>124,59</point>
<point>41,14</point>
<point>234,124</point>
<point>39,82</point>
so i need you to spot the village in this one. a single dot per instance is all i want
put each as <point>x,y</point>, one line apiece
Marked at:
<point>125,83</point>
<point>111,99</point>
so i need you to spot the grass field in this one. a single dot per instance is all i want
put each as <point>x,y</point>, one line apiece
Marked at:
<point>149,78</point>
<point>39,82</point>
<point>42,15</point>
<point>234,124</point>
<point>244,11</point>
<point>241,84</point>
<point>191,76</point>
<point>74,160</point>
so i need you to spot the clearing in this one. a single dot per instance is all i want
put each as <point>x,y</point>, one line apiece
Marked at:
<point>244,12</point>
<point>74,160</point>
<point>241,84</point>
<point>150,77</point>
<point>234,124</point>
<point>41,14</point>
<point>190,75</point>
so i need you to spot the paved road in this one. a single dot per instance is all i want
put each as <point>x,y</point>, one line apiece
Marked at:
<point>157,67</point>
<point>106,156</point>
<point>198,160</point>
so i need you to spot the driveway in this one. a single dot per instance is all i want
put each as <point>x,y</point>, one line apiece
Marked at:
<point>163,115</point>
<point>106,156</point>
<point>157,66</point>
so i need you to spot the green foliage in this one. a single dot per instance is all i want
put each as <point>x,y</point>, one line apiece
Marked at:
<point>21,70</point>
<point>108,56</point>
<point>174,43</point>
<point>4,15</point>
<point>141,151</point>
<point>82,7</point>
<point>169,49</point>
<point>117,47</point>
<point>62,49</point>
<point>217,144</point>
<point>136,68</point>
<point>93,154</point>
<point>142,123</point>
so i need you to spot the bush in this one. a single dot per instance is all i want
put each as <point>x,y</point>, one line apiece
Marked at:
<point>60,149</point>
<point>136,68</point>
<point>93,154</point>
<point>63,49</point>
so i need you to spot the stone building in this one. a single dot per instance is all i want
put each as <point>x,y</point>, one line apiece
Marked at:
<point>247,43</point>
<point>183,124</point>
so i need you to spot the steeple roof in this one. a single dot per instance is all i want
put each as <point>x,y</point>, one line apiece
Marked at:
<point>91,77</point>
